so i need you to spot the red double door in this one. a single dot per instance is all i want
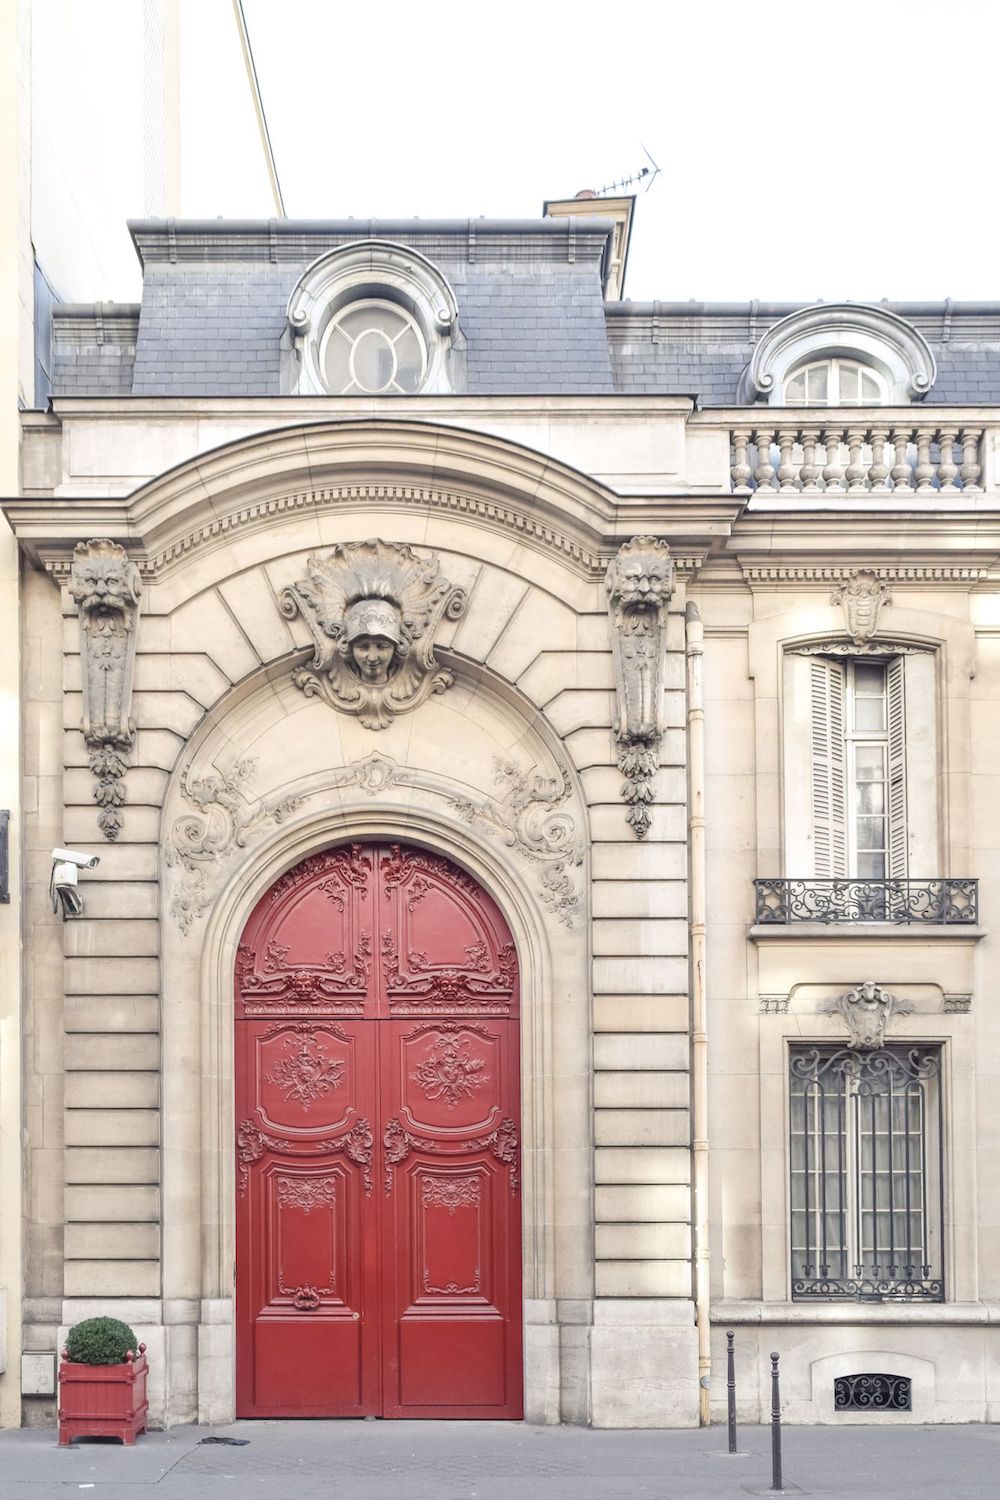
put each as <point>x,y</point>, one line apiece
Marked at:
<point>378,1226</point>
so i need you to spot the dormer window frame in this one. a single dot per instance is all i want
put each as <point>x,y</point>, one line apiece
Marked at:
<point>880,341</point>
<point>371,273</point>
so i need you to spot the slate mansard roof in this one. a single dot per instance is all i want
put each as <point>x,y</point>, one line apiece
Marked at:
<point>531,309</point>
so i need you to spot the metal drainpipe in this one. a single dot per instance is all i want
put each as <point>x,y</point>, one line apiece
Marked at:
<point>699,1029</point>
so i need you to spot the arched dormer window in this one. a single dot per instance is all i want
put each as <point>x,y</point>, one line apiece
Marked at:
<point>373,318</point>
<point>840,354</point>
<point>835,382</point>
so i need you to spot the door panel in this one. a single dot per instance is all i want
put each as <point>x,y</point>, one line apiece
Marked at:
<point>377,1094</point>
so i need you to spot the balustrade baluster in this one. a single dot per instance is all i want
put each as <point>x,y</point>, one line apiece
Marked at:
<point>971,468</point>
<point>809,470</point>
<point>764,472</point>
<point>856,471</point>
<point>787,471</point>
<point>833,473</point>
<point>900,473</point>
<point>741,470</point>
<point>924,471</point>
<point>878,469</point>
<point>947,467</point>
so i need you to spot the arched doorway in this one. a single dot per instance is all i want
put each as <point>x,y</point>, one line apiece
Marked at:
<point>378,1245</point>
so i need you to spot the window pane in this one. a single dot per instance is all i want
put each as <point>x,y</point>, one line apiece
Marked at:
<point>817,382</point>
<point>871,833</point>
<point>871,867</point>
<point>870,797</point>
<point>869,678</point>
<point>848,382</point>
<point>871,393</point>
<point>869,762</point>
<point>795,389</point>
<point>869,715</point>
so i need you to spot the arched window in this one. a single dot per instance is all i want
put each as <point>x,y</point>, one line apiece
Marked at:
<point>839,354</point>
<point>835,382</point>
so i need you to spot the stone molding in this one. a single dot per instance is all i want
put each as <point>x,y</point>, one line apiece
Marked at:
<point>104,583</point>
<point>639,585</point>
<point>833,573</point>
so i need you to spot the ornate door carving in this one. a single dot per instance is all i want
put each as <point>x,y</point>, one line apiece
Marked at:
<point>377,1140</point>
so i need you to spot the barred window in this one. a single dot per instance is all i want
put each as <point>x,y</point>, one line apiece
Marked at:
<point>866,1179</point>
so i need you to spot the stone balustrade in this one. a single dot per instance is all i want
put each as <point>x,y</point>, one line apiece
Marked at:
<point>852,453</point>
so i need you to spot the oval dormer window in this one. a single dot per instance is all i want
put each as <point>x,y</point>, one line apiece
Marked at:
<point>373,348</point>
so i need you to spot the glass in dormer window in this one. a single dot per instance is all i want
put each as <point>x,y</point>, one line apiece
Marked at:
<point>834,382</point>
<point>374,349</point>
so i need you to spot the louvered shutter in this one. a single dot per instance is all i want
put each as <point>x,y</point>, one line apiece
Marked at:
<point>896,707</point>
<point>829,778</point>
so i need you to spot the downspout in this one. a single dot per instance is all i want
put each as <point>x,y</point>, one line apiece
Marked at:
<point>699,1029</point>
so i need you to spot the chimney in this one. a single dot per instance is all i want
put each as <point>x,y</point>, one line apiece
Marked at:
<point>588,204</point>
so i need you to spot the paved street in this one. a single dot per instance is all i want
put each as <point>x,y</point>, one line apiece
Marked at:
<point>494,1461</point>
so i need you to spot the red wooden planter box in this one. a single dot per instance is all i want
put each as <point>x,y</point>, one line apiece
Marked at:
<point>103,1400</point>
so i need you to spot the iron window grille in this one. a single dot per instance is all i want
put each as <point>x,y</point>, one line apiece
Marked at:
<point>866,1174</point>
<point>841,899</point>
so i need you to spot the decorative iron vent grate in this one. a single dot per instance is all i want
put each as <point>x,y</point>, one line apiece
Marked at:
<point>872,1393</point>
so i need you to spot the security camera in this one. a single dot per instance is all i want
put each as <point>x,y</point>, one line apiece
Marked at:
<point>75,857</point>
<point>66,864</point>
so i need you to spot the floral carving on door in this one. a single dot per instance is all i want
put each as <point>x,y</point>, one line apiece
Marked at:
<point>450,1071</point>
<point>310,1073</point>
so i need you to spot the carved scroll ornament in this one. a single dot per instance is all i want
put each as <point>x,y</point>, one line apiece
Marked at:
<point>867,1012</point>
<point>373,609</point>
<point>862,595</point>
<point>639,584</point>
<point>105,586</point>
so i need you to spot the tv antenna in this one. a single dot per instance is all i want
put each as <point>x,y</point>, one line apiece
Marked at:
<point>648,175</point>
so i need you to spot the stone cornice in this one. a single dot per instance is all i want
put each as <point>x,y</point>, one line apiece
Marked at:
<point>325,466</point>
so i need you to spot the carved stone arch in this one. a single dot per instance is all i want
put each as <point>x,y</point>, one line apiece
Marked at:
<point>292,474</point>
<point>197,978</point>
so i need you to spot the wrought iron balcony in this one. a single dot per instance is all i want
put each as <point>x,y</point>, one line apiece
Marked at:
<point>836,900</point>
<point>886,1284</point>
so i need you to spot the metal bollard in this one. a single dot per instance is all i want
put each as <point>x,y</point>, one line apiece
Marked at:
<point>731,1389</point>
<point>775,1426</point>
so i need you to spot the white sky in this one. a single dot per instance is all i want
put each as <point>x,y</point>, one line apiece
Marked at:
<point>807,150</point>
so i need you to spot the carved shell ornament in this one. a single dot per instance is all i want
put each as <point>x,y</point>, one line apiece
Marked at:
<point>373,609</point>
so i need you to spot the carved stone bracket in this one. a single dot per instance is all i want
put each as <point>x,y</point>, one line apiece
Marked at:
<point>957,1005</point>
<point>221,821</point>
<point>373,609</point>
<point>867,1012</point>
<point>105,586</point>
<point>639,584</point>
<point>862,595</point>
<point>532,819</point>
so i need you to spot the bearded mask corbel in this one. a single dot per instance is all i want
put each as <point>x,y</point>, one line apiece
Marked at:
<point>373,609</point>
<point>639,585</point>
<point>105,586</point>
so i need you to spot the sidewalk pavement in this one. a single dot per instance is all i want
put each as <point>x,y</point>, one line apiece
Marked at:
<point>502,1461</point>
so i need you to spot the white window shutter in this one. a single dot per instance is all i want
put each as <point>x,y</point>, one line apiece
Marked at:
<point>829,776</point>
<point>896,705</point>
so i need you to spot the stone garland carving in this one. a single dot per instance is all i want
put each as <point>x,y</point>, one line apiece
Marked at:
<point>221,822</point>
<point>105,586</point>
<point>373,609</point>
<point>528,818</point>
<point>639,584</point>
<point>862,595</point>
<point>867,1012</point>
<point>956,1005</point>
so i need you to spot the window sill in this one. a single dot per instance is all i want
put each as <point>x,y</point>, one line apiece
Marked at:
<point>755,1312</point>
<point>935,932</point>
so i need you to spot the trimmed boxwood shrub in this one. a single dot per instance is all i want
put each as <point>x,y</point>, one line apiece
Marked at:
<point>101,1341</point>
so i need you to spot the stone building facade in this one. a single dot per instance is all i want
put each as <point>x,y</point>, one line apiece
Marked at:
<point>668,631</point>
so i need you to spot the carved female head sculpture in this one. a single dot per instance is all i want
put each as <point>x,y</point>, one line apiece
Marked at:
<point>373,637</point>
